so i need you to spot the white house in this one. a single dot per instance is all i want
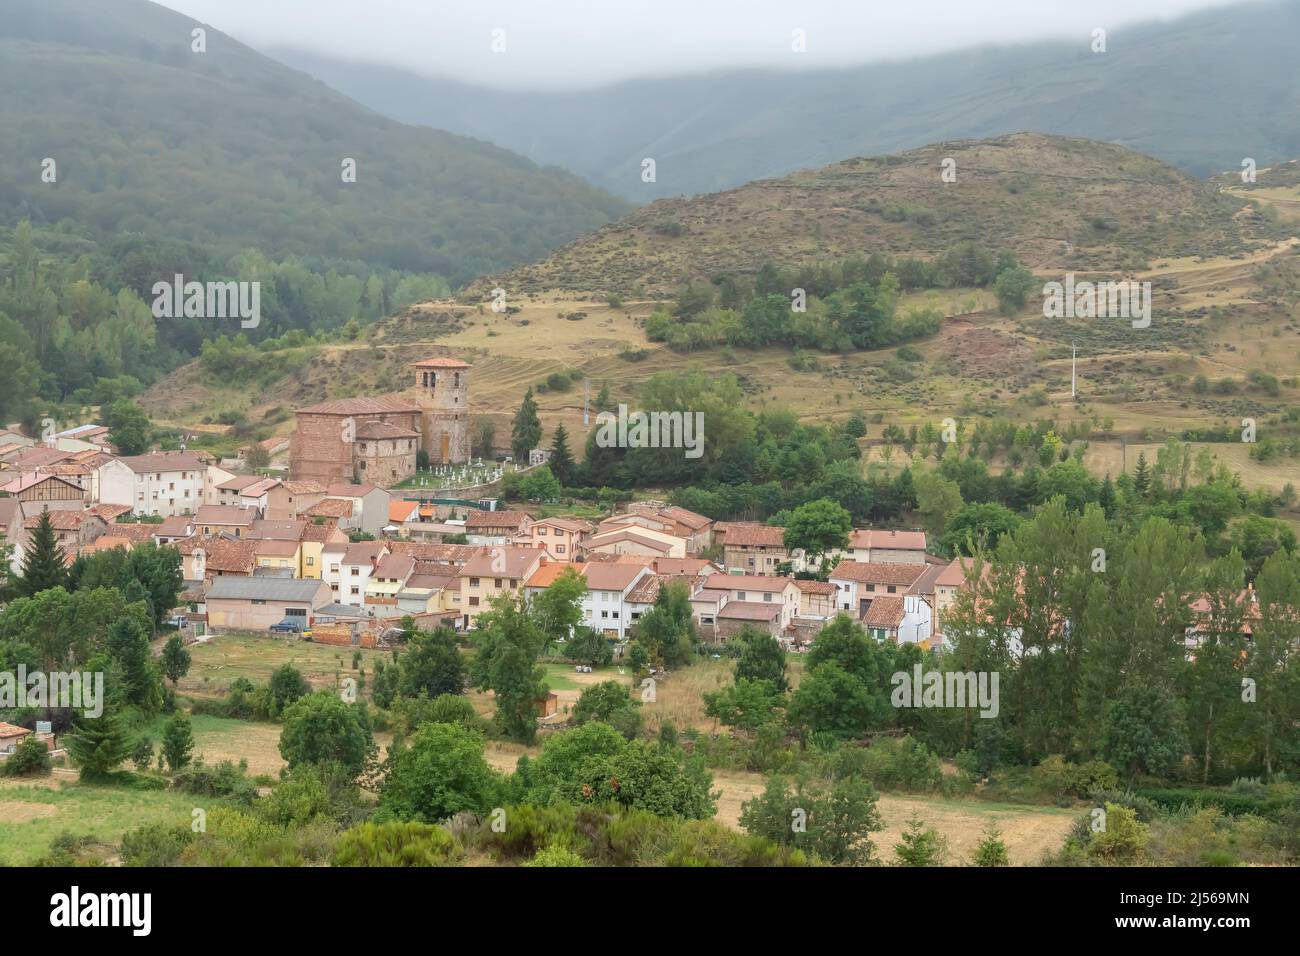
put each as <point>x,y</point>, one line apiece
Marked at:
<point>165,483</point>
<point>355,568</point>
<point>859,582</point>
<point>902,620</point>
<point>605,605</point>
<point>759,588</point>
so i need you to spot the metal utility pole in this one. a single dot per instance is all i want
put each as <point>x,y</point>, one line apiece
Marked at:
<point>1074,353</point>
<point>586,401</point>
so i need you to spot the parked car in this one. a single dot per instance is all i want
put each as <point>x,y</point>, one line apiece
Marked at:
<point>178,621</point>
<point>291,625</point>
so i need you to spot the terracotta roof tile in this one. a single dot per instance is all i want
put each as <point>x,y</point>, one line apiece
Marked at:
<point>879,538</point>
<point>877,572</point>
<point>884,612</point>
<point>748,535</point>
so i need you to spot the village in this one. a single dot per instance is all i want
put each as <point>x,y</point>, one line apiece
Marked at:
<point>332,551</point>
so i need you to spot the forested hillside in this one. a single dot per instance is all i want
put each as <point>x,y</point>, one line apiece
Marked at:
<point>134,151</point>
<point>1201,92</point>
<point>227,146</point>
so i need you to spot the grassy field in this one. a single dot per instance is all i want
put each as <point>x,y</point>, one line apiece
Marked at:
<point>222,738</point>
<point>31,815</point>
<point>1028,831</point>
<point>220,661</point>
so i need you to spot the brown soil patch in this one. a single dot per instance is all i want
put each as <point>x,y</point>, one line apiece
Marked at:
<point>20,811</point>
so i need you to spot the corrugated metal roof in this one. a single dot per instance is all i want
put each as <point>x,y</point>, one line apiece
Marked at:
<point>264,589</point>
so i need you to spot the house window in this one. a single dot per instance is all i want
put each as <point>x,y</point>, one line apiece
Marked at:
<point>542,532</point>
<point>473,602</point>
<point>891,589</point>
<point>496,582</point>
<point>473,582</point>
<point>559,549</point>
<point>356,572</point>
<point>311,562</point>
<point>355,589</point>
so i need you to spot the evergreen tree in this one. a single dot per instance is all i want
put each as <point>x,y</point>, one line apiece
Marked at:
<point>526,430</point>
<point>603,401</point>
<point>45,564</point>
<point>1142,477</point>
<point>1106,497</point>
<point>562,465</point>
<point>178,742</point>
<point>98,745</point>
<point>128,646</point>
<point>175,659</point>
<point>991,850</point>
<point>920,845</point>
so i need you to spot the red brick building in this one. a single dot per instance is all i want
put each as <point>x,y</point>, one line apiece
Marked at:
<point>377,439</point>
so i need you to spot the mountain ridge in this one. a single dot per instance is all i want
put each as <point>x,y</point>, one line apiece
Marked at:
<point>1154,90</point>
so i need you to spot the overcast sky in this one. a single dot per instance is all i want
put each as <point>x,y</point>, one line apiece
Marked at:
<point>574,43</point>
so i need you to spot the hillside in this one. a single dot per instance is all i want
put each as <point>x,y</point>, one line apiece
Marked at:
<point>1056,203</point>
<point>1224,342</point>
<point>229,148</point>
<point>1201,92</point>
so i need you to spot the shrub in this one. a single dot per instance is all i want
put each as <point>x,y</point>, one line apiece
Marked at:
<point>224,779</point>
<point>155,844</point>
<point>396,843</point>
<point>1122,838</point>
<point>1232,804</point>
<point>30,758</point>
<point>528,830</point>
<point>556,856</point>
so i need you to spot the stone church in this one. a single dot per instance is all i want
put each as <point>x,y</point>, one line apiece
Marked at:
<point>376,440</point>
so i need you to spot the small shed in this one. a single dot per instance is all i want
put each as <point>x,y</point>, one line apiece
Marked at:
<point>549,705</point>
<point>11,736</point>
